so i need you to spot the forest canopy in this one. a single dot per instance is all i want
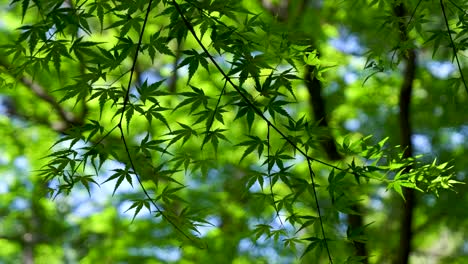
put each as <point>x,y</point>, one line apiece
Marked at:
<point>255,131</point>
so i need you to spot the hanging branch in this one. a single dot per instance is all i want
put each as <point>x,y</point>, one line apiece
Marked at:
<point>259,113</point>
<point>312,175</point>
<point>68,118</point>
<point>317,103</point>
<point>119,125</point>
<point>453,45</point>
<point>244,97</point>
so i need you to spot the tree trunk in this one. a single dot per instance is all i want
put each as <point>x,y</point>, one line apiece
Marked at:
<point>406,234</point>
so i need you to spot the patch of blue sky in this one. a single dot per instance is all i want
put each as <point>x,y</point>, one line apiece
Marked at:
<point>4,186</point>
<point>245,245</point>
<point>21,164</point>
<point>440,69</point>
<point>20,204</point>
<point>376,202</point>
<point>421,143</point>
<point>3,105</point>
<point>256,187</point>
<point>350,77</point>
<point>279,222</point>
<point>166,254</point>
<point>465,246</point>
<point>215,222</point>
<point>352,124</point>
<point>347,43</point>
<point>84,205</point>
<point>150,76</point>
<point>170,254</point>
<point>457,139</point>
<point>261,248</point>
<point>19,171</point>
<point>461,176</point>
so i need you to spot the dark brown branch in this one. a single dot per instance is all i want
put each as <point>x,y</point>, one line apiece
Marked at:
<point>68,118</point>
<point>43,95</point>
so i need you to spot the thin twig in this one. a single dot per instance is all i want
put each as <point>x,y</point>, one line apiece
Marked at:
<point>312,176</point>
<point>125,103</point>
<point>244,97</point>
<point>453,46</point>
<point>259,113</point>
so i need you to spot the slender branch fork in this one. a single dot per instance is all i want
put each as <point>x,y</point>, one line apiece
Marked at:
<point>442,7</point>
<point>122,134</point>
<point>259,113</point>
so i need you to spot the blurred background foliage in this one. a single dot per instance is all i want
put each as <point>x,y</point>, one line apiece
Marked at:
<point>355,59</point>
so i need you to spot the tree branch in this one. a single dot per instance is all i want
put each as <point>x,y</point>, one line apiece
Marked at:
<point>42,94</point>
<point>68,118</point>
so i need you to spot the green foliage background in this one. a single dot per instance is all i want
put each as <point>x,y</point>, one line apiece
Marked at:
<point>233,131</point>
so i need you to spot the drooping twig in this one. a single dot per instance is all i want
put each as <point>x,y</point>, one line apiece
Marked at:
<point>257,111</point>
<point>453,46</point>
<point>127,150</point>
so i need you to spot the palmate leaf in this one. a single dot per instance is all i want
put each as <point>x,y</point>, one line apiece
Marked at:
<point>150,92</point>
<point>307,220</point>
<point>276,106</point>
<point>291,242</point>
<point>123,48</point>
<point>159,44</point>
<point>213,137</point>
<point>146,145</point>
<point>195,98</point>
<point>85,180</point>
<point>246,110</point>
<point>255,143</point>
<point>246,66</point>
<point>126,22</point>
<point>154,112</point>
<point>209,115</point>
<point>186,133</point>
<point>267,88</point>
<point>169,194</point>
<point>219,19</point>
<point>193,59</point>
<point>80,90</point>
<point>284,80</point>
<point>33,33</point>
<point>262,229</point>
<point>94,127</point>
<point>81,48</point>
<point>181,158</point>
<point>120,175</point>
<point>315,244</point>
<point>99,7</point>
<point>278,158</point>
<point>255,176</point>
<point>55,51</point>
<point>24,7</point>
<point>104,95</point>
<point>138,205</point>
